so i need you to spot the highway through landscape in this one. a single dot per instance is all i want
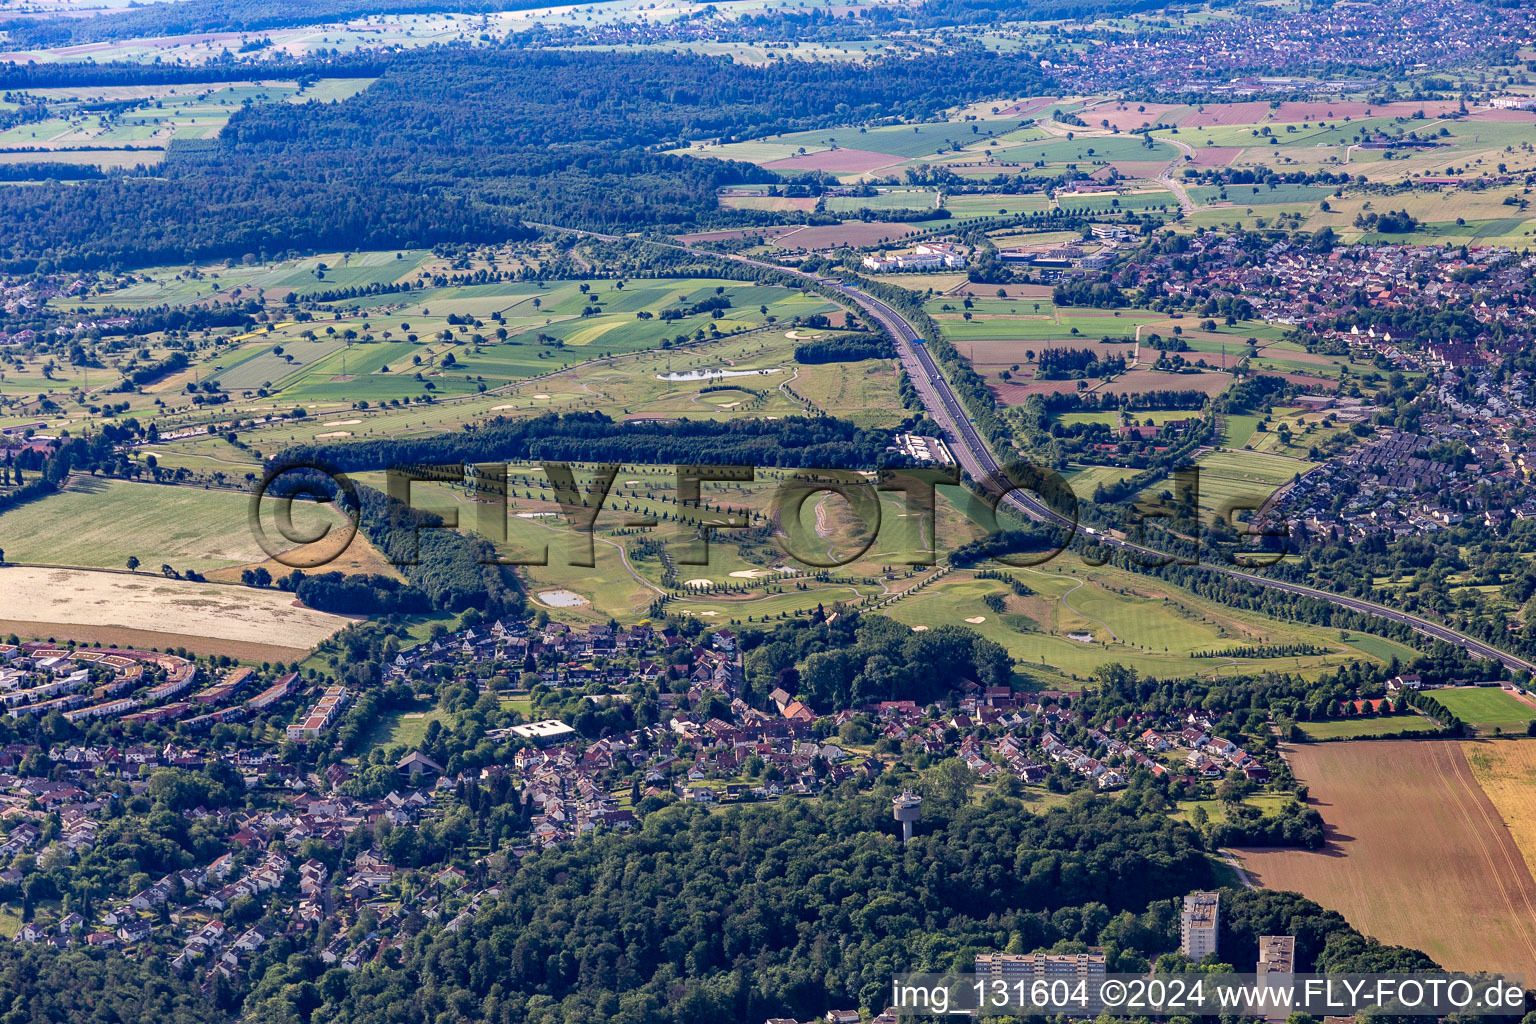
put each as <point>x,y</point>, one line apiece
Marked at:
<point>944,407</point>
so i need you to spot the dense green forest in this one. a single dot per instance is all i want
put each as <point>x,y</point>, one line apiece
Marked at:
<point>859,659</point>
<point>196,16</point>
<point>765,912</point>
<point>43,985</point>
<point>821,442</point>
<point>454,144</point>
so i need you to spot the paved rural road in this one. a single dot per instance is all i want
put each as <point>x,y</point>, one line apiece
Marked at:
<point>975,458</point>
<point>1186,203</point>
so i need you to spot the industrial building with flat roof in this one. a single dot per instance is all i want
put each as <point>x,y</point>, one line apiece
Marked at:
<point>551,730</point>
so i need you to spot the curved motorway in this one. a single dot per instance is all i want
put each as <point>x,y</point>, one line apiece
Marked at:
<point>944,407</point>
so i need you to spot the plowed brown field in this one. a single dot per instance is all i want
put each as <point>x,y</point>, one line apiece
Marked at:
<point>1417,853</point>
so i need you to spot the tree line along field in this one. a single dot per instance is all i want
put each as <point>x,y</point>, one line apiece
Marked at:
<point>1424,846</point>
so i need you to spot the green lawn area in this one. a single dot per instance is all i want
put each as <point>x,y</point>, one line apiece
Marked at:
<point>403,726</point>
<point>1370,725</point>
<point>1486,707</point>
<point>1268,803</point>
<point>887,199</point>
<point>100,523</point>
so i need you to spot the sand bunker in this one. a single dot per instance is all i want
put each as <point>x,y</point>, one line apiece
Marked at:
<point>341,423</point>
<point>699,583</point>
<point>976,620</point>
<point>333,433</point>
<point>750,574</point>
<point>540,396</point>
<point>919,629</point>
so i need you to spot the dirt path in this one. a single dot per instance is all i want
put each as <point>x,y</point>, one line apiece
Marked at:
<point>1242,876</point>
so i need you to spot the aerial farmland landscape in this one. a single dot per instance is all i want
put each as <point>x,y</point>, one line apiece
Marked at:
<point>767,512</point>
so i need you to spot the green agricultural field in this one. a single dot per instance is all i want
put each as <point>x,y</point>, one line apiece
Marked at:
<point>1084,480</point>
<point>1367,726</point>
<point>885,199</point>
<point>100,523</point>
<point>403,727</point>
<point>1243,479</point>
<point>1486,707</point>
<point>969,207</point>
<point>1086,150</point>
<point>1299,197</point>
<point>1114,203</point>
<point>1215,810</point>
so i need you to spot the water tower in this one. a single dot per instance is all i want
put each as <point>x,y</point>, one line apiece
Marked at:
<point>907,808</point>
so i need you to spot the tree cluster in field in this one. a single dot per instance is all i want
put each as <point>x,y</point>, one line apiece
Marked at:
<point>821,442</point>
<point>859,659</point>
<point>845,348</point>
<point>1295,650</point>
<point>1077,364</point>
<point>361,594</point>
<point>150,372</point>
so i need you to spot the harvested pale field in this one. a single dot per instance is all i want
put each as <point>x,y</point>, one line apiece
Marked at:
<point>1227,113</point>
<point>145,640</point>
<point>1506,770</point>
<point>177,608</point>
<point>836,161</point>
<point>340,550</point>
<point>1028,106</point>
<point>1291,354</point>
<point>1417,854</point>
<point>1496,114</point>
<point>1014,392</point>
<point>767,231</point>
<point>1127,118</point>
<point>853,232</point>
<point>779,203</point>
<point>1216,156</point>
<point>1135,382</point>
<point>1137,168</point>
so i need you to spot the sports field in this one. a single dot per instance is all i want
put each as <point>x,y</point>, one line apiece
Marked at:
<point>1486,707</point>
<point>1417,853</point>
